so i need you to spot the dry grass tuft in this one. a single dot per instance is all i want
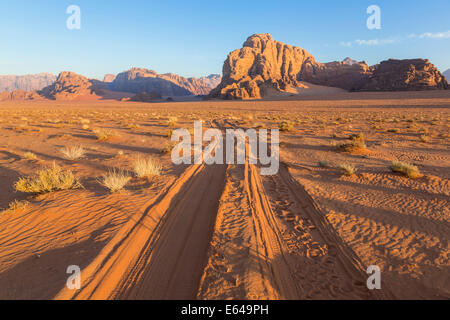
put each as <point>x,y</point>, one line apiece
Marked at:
<point>29,156</point>
<point>405,169</point>
<point>115,180</point>
<point>15,205</point>
<point>354,146</point>
<point>73,152</point>
<point>286,126</point>
<point>168,148</point>
<point>48,180</point>
<point>105,134</point>
<point>144,167</point>
<point>424,138</point>
<point>172,122</point>
<point>347,169</point>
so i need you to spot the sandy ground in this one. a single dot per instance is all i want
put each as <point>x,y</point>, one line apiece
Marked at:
<point>224,231</point>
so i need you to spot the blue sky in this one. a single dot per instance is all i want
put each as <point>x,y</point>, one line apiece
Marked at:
<point>193,38</point>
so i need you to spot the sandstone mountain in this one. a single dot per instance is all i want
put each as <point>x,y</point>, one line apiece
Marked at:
<point>403,75</point>
<point>69,86</point>
<point>138,80</point>
<point>29,82</point>
<point>264,64</point>
<point>109,78</point>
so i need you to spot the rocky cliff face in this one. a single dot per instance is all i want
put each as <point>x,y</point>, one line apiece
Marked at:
<point>264,64</point>
<point>403,75</point>
<point>29,82</point>
<point>138,80</point>
<point>68,86</point>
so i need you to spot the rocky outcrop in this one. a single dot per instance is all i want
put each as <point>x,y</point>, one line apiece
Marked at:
<point>138,80</point>
<point>264,64</point>
<point>337,74</point>
<point>403,75</point>
<point>31,82</point>
<point>69,86</point>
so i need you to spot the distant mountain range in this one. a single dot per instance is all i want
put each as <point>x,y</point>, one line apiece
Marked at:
<point>447,75</point>
<point>144,84</point>
<point>261,67</point>
<point>138,80</point>
<point>29,82</point>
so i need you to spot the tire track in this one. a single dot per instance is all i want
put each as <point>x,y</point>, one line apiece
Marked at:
<point>104,277</point>
<point>171,266</point>
<point>321,262</point>
<point>291,245</point>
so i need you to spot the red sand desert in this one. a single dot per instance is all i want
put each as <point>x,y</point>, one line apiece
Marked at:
<point>225,231</point>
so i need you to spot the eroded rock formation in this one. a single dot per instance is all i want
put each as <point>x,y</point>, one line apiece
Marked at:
<point>69,86</point>
<point>264,64</point>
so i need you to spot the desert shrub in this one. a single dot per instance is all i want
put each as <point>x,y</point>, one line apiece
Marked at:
<point>133,126</point>
<point>115,180</point>
<point>15,205</point>
<point>105,134</point>
<point>172,122</point>
<point>48,180</point>
<point>405,169</point>
<point>168,148</point>
<point>29,156</point>
<point>73,152</point>
<point>324,164</point>
<point>354,146</point>
<point>144,167</point>
<point>286,126</point>
<point>347,169</point>
<point>424,138</point>
<point>357,136</point>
